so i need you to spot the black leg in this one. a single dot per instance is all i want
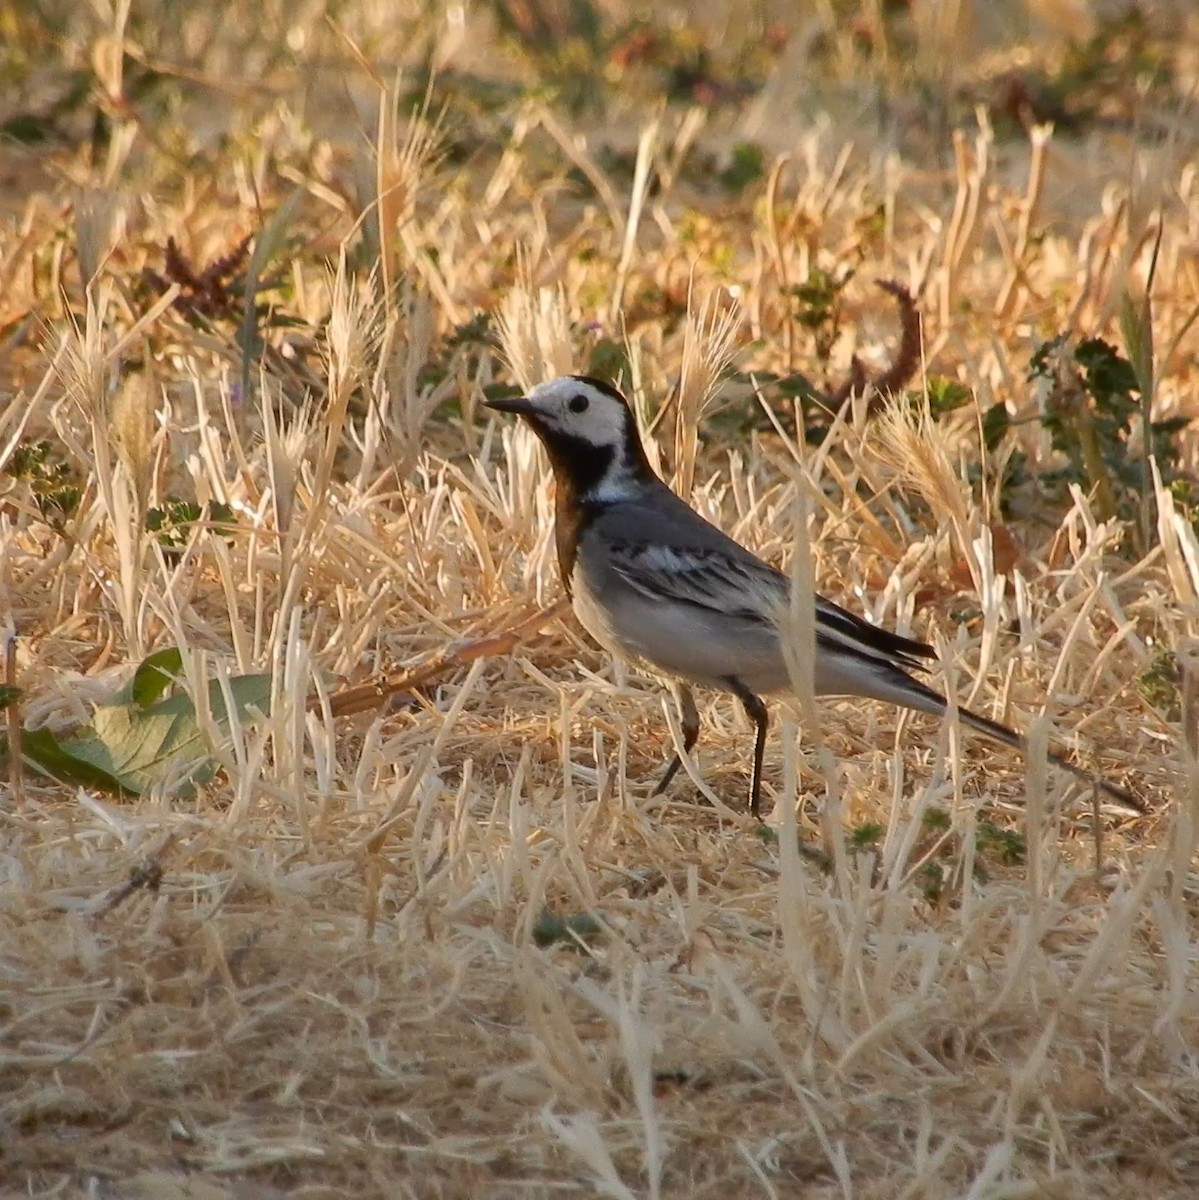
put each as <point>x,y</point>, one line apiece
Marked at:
<point>757,713</point>
<point>689,716</point>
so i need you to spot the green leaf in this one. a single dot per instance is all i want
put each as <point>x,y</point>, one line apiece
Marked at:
<point>49,478</point>
<point>1039,365</point>
<point>609,359</point>
<point>946,395</point>
<point>1007,845</point>
<point>577,929</point>
<point>154,675</point>
<point>1109,375</point>
<point>1160,683</point>
<point>9,695</point>
<point>27,128</point>
<point>172,524</point>
<point>42,750</point>
<point>996,423</point>
<point>748,163</point>
<point>131,746</point>
<point>798,387</point>
<point>931,879</point>
<point>501,391</point>
<point>936,818</point>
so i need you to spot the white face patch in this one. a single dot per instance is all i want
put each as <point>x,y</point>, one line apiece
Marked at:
<point>599,426</point>
<point>581,410</point>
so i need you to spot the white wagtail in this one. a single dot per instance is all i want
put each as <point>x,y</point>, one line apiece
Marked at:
<point>651,580</point>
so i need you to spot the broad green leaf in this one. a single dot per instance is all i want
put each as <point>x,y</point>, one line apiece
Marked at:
<point>44,752</point>
<point>131,746</point>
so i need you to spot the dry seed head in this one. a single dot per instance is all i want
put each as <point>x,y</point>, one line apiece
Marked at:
<point>352,329</point>
<point>917,448</point>
<point>412,350</point>
<point>709,338</point>
<point>534,329</point>
<point>420,153</point>
<point>99,225</point>
<point>286,446</point>
<point>84,361</point>
<point>709,347</point>
<point>131,427</point>
<point>401,168</point>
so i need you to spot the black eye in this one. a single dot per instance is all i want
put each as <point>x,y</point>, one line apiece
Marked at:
<point>578,404</point>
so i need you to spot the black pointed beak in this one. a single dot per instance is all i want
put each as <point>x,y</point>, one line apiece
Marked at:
<point>521,405</point>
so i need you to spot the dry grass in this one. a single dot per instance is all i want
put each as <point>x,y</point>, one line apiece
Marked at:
<point>324,974</point>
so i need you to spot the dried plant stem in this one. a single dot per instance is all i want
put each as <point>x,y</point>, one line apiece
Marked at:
<point>367,696</point>
<point>1039,142</point>
<point>16,765</point>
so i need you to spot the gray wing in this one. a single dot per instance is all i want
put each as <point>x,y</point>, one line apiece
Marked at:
<point>669,554</point>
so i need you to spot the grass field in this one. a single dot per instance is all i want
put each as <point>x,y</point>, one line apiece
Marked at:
<point>349,880</point>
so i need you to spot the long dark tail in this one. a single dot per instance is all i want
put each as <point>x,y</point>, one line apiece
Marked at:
<point>1009,737</point>
<point>890,682</point>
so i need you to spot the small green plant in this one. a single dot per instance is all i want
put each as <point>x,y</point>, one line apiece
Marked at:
<point>995,846</point>
<point>1087,407</point>
<point>1160,683</point>
<point>747,165</point>
<point>1089,399</point>
<point>867,835</point>
<point>932,878</point>
<point>818,308</point>
<point>996,422</point>
<point>172,524</point>
<point>936,820</point>
<point>1007,846</point>
<point>578,930</point>
<point>51,481</point>
<point>945,395</point>
<point>609,359</point>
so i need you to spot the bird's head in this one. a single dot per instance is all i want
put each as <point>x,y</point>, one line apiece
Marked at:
<point>589,432</point>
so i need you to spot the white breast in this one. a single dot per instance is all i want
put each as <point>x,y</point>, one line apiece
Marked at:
<point>593,617</point>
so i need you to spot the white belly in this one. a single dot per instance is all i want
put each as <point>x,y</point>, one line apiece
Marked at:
<point>595,619</point>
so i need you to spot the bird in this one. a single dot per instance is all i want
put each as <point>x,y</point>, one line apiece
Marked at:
<point>654,582</point>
